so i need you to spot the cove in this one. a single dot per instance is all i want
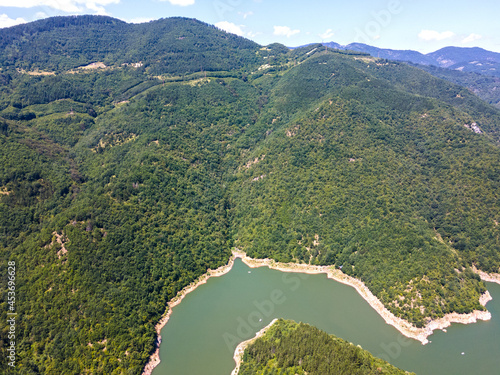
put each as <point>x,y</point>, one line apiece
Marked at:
<point>205,328</point>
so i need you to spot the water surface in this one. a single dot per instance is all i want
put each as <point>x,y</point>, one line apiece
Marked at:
<point>205,328</point>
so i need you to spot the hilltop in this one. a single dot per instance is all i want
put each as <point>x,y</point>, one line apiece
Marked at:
<point>170,46</point>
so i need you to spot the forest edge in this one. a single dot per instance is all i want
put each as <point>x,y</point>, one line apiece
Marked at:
<point>401,325</point>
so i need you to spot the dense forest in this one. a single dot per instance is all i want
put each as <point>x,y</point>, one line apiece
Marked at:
<point>173,46</point>
<point>473,68</point>
<point>485,86</point>
<point>378,181</point>
<point>289,348</point>
<point>123,182</point>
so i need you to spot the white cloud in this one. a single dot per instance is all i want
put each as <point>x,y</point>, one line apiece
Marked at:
<point>285,31</point>
<point>327,34</point>
<point>40,15</point>
<point>182,3</point>
<point>245,14</point>
<point>141,20</point>
<point>68,6</point>
<point>230,27</point>
<point>252,34</point>
<point>429,35</point>
<point>471,38</point>
<point>6,21</point>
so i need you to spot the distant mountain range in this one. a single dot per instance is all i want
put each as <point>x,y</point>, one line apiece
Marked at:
<point>473,59</point>
<point>474,68</point>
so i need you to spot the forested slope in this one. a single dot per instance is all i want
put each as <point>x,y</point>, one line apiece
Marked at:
<point>120,186</point>
<point>390,186</point>
<point>140,208</point>
<point>299,349</point>
<point>109,207</point>
<point>484,86</point>
<point>167,46</point>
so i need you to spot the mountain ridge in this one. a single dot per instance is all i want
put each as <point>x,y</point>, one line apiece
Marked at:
<point>471,67</point>
<point>443,57</point>
<point>154,44</point>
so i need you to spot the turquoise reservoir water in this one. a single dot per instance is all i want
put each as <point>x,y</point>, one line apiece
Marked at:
<point>205,328</point>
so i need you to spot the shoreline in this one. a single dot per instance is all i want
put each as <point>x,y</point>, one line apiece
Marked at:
<point>154,359</point>
<point>489,277</point>
<point>240,349</point>
<point>404,327</point>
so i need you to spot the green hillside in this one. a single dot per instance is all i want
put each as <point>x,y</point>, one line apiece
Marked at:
<point>378,181</point>
<point>142,209</point>
<point>121,185</point>
<point>167,46</point>
<point>484,86</point>
<point>297,348</point>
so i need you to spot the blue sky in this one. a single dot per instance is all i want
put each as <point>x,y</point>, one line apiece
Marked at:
<point>423,25</point>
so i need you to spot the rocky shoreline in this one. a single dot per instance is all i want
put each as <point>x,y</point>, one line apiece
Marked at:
<point>154,360</point>
<point>489,277</point>
<point>401,325</point>
<point>240,349</point>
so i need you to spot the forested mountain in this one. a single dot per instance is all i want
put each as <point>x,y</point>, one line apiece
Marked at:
<point>484,86</point>
<point>471,59</point>
<point>467,59</point>
<point>168,46</point>
<point>299,349</point>
<point>474,68</point>
<point>123,182</point>
<point>386,53</point>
